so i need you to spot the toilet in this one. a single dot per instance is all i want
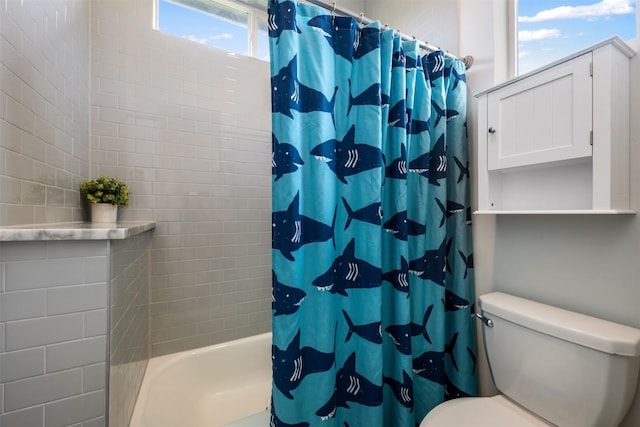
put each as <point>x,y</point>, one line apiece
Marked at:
<point>553,367</point>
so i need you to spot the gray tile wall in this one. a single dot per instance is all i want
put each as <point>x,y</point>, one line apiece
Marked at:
<point>129,347</point>
<point>53,333</point>
<point>189,128</point>
<point>44,109</point>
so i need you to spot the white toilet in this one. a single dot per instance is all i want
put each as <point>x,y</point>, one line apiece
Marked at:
<point>552,366</point>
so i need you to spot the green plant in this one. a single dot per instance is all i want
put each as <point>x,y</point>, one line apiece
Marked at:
<point>105,189</point>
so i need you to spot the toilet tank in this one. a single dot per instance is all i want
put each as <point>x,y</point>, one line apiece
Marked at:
<point>568,368</point>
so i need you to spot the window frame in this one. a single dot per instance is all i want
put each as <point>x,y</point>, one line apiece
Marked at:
<point>254,15</point>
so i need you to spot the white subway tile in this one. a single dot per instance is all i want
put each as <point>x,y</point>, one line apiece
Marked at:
<point>22,305</point>
<point>32,417</point>
<point>42,331</point>
<point>76,354</point>
<point>41,389</point>
<point>75,409</point>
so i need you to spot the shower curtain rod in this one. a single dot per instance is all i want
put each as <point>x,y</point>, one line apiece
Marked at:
<point>467,60</point>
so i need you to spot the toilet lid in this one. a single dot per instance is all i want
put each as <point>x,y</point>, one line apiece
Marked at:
<point>494,411</point>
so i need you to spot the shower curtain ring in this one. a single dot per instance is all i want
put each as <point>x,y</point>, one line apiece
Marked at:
<point>361,18</point>
<point>333,9</point>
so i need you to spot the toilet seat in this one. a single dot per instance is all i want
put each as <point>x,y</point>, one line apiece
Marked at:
<point>496,411</point>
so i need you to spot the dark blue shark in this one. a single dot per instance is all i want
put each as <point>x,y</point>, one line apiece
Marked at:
<point>341,40</point>
<point>401,334</point>
<point>285,299</point>
<point>351,387</point>
<point>282,17</point>
<point>398,167</point>
<point>348,272</point>
<point>398,115</point>
<point>346,158</point>
<point>292,365</point>
<point>453,302</point>
<point>432,265</point>
<point>446,113</point>
<point>451,391</point>
<point>432,165</point>
<point>384,99</point>
<point>370,96</point>
<point>473,358</point>
<point>464,169</point>
<point>285,158</point>
<point>401,227</point>
<point>287,93</point>
<point>368,331</point>
<point>411,62</point>
<point>468,262</point>
<point>371,213</point>
<point>291,230</point>
<point>431,364</point>
<point>398,59</point>
<point>398,278</point>
<point>451,209</point>
<point>277,422</point>
<point>457,77</point>
<point>403,391</point>
<point>418,126</point>
<point>367,40</point>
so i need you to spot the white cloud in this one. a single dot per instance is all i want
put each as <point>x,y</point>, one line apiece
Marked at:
<point>207,40</point>
<point>541,34</point>
<point>590,11</point>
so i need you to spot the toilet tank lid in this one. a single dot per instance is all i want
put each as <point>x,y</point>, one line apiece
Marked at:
<point>599,334</point>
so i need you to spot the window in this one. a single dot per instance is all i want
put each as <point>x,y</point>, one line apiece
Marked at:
<point>239,27</point>
<point>548,30</point>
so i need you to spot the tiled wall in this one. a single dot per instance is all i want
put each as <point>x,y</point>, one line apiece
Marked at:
<point>53,333</point>
<point>189,128</point>
<point>44,109</point>
<point>129,346</point>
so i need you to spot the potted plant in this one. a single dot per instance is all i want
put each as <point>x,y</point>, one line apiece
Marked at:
<point>105,194</point>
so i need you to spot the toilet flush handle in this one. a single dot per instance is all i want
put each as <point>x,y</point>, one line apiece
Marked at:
<point>485,320</point>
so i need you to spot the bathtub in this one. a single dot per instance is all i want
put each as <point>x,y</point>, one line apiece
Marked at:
<point>227,384</point>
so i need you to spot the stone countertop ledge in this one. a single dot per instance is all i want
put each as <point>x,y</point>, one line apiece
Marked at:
<point>74,231</point>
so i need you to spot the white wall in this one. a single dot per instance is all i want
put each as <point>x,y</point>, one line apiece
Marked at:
<point>587,264</point>
<point>434,21</point>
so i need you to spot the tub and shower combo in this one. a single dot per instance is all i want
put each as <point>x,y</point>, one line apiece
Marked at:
<point>228,385</point>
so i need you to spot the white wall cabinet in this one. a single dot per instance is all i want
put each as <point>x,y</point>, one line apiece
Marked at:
<point>556,140</point>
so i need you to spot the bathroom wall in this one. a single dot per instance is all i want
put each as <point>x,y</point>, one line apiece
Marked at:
<point>189,128</point>
<point>44,109</point>
<point>583,263</point>
<point>434,21</point>
<point>129,324</point>
<point>53,333</point>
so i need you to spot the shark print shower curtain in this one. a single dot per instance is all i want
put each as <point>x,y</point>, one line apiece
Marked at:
<point>371,227</point>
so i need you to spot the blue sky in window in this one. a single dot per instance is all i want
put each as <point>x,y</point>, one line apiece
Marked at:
<point>551,29</point>
<point>202,28</point>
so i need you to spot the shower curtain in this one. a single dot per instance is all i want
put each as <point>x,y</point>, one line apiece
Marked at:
<point>371,227</point>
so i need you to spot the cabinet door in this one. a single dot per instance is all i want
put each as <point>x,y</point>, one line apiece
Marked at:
<point>542,118</point>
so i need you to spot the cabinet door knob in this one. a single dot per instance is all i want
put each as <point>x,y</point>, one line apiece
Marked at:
<point>492,130</point>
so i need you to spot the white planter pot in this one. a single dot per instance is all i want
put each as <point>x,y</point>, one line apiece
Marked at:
<point>104,213</point>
